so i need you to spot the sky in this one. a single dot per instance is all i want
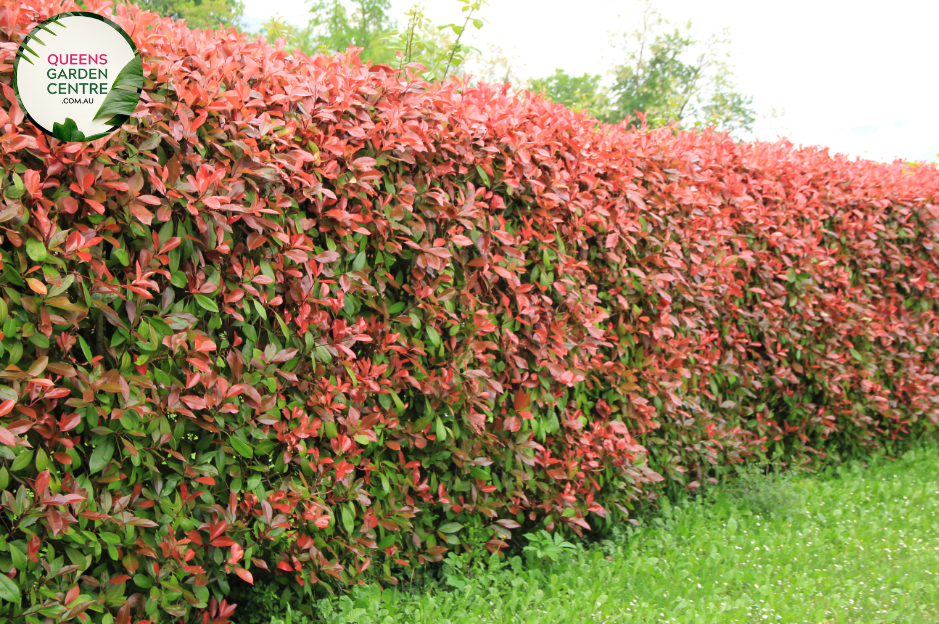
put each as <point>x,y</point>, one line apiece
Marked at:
<point>856,76</point>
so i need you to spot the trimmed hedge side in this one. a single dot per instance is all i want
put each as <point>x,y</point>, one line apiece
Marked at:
<point>310,321</point>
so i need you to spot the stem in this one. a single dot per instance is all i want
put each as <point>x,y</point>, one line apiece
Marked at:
<point>36,610</point>
<point>456,44</point>
<point>99,335</point>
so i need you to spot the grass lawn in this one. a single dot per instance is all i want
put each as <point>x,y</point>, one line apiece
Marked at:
<point>859,546</point>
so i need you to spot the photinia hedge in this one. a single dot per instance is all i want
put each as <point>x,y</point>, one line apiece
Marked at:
<point>311,321</point>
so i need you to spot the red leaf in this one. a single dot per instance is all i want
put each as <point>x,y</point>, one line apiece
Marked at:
<point>141,213</point>
<point>619,427</point>
<point>19,427</point>
<point>6,437</point>
<point>326,257</point>
<point>170,244</point>
<point>503,272</point>
<point>69,421</point>
<point>236,554</point>
<point>512,423</point>
<point>218,529</point>
<point>245,575</point>
<point>36,286</point>
<point>42,481</point>
<point>32,547</point>
<point>72,594</point>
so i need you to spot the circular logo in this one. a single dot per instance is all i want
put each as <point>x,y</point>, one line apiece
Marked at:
<point>78,76</point>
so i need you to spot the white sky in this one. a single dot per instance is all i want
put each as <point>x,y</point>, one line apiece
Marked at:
<point>857,76</point>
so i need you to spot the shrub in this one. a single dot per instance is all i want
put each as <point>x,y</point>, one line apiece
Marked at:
<point>311,321</point>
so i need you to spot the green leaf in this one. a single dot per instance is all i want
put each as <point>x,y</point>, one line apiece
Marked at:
<point>451,527</point>
<point>35,250</point>
<point>359,262</point>
<point>24,57</point>
<point>9,591</point>
<point>433,335</point>
<point>361,439</point>
<point>397,400</point>
<point>323,354</point>
<point>124,94</point>
<point>101,455</point>
<point>143,582</point>
<point>161,326</point>
<point>22,460</point>
<point>206,303</point>
<point>20,561</point>
<point>483,175</point>
<point>422,422</point>
<point>348,519</point>
<point>283,325</point>
<point>67,131</point>
<point>479,473</point>
<point>242,448</point>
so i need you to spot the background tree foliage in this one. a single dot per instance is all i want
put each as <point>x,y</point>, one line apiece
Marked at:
<point>667,73</point>
<point>441,50</point>
<point>199,13</point>
<point>576,92</point>
<point>337,24</point>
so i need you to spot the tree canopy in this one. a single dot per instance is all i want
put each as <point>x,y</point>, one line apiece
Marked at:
<point>199,13</point>
<point>666,73</point>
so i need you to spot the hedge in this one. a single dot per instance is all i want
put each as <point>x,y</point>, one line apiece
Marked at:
<point>311,321</point>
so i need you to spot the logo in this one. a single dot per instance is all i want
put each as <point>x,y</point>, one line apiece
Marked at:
<point>78,76</point>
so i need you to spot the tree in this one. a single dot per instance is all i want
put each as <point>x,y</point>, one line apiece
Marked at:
<point>337,24</point>
<point>576,92</point>
<point>199,13</point>
<point>440,49</point>
<point>669,75</point>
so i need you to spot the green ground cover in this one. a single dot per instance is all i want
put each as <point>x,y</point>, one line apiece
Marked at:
<point>854,544</point>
